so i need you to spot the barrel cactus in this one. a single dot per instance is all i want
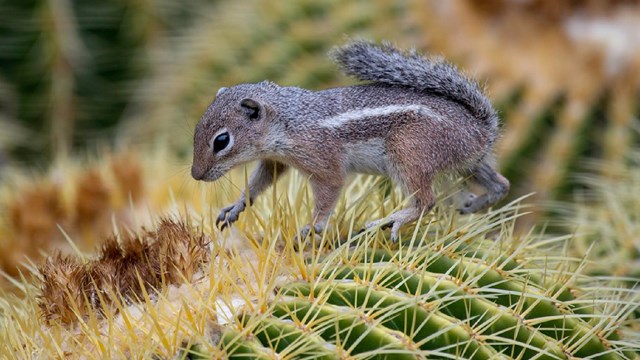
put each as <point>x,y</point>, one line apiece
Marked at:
<point>450,296</point>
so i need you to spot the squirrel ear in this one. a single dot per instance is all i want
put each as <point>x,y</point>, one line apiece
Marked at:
<point>252,108</point>
<point>220,91</point>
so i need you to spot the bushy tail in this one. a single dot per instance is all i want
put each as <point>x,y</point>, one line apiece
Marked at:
<point>385,64</point>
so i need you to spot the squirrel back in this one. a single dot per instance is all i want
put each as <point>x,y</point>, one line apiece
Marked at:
<point>385,64</point>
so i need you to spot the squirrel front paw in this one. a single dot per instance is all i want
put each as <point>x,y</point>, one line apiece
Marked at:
<point>303,235</point>
<point>229,215</point>
<point>304,232</point>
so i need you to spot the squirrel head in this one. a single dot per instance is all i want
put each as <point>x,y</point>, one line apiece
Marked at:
<point>231,131</point>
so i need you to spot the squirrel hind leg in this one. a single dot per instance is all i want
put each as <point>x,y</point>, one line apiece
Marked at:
<point>420,187</point>
<point>396,220</point>
<point>496,186</point>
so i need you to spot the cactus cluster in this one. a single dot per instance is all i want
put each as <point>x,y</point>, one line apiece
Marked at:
<point>455,287</point>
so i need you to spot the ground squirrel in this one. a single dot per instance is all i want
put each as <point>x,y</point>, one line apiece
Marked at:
<point>414,119</point>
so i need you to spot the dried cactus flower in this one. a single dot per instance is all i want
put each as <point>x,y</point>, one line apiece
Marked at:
<point>34,213</point>
<point>181,252</point>
<point>170,254</point>
<point>63,288</point>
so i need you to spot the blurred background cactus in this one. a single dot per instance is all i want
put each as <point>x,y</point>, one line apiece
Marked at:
<point>565,74</point>
<point>76,74</point>
<point>605,216</point>
<point>251,41</point>
<point>69,68</point>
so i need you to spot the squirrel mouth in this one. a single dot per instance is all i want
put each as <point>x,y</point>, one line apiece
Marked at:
<point>212,175</point>
<point>207,175</point>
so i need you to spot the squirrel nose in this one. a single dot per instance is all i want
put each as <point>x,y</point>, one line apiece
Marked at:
<point>198,173</point>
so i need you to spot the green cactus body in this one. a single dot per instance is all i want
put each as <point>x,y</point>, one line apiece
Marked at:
<point>535,305</point>
<point>429,330</point>
<point>348,329</point>
<point>286,337</point>
<point>417,303</point>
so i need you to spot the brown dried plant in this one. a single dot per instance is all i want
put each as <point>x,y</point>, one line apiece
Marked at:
<point>92,201</point>
<point>550,10</point>
<point>33,215</point>
<point>78,204</point>
<point>123,272</point>
<point>128,175</point>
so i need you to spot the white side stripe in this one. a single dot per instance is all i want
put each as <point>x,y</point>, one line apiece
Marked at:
<point>336,121</point>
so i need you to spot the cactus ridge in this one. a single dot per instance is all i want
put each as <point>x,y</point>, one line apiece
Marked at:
<point>288,338</point>
<point>238,344</point>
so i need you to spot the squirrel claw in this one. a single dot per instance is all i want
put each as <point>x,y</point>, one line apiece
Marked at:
<point>229,215</point>
<point>395,232</point>
<point>384,224</point>
<point>221,221</point>
<point>222,224</point>
<point>304,232</point>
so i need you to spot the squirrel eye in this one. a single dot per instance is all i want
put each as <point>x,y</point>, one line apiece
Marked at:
<point>220,142</point>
